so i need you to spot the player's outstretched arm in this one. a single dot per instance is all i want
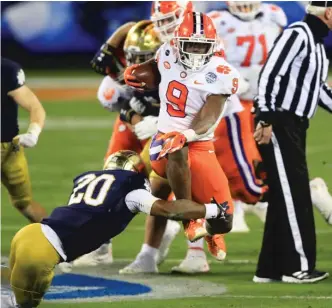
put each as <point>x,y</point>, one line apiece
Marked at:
<point>24,97</point>
<point>140,200</point>
<point>184,210</point>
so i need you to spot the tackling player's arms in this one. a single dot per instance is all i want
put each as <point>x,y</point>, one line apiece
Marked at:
<point>140,200</point>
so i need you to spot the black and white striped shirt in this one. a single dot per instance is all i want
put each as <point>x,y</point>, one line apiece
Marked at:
<point>293,77</point>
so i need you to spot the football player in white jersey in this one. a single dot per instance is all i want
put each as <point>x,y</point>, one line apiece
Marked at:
<point>166,16</point>
<point>193,90</point>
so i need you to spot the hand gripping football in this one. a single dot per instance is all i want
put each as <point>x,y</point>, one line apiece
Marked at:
<point>148,73</point>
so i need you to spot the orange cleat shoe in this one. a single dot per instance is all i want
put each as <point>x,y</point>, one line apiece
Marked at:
<point>217,246</point>
<point>195,230</point>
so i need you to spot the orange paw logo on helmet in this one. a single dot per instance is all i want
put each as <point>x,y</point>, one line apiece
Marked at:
<point>167,65</point>
<point>223,69</point>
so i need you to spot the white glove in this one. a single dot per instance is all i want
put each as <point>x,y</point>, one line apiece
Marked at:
<point>30,138</point>
<point>146,128</point>
<point>109,93</point>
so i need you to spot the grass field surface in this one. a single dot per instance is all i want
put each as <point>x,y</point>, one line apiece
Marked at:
<point>75,140</point>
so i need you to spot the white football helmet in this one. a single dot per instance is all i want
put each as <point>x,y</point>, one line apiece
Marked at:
<point>246,10</point>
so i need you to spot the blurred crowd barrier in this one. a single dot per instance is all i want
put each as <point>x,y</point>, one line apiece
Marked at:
<point>38,34</point>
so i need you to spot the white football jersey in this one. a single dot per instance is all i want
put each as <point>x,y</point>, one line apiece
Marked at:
<point>183,92</point>
<point>247,43</point>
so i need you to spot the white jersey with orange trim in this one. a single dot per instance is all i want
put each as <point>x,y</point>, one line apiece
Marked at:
<point>247,43</point>
<point>184,92</point>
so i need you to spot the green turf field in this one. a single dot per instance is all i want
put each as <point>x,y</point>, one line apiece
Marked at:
<point>75,140</point>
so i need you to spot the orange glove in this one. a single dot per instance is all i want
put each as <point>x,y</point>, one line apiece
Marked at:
<point>131,80</point>
<point>173,141</point>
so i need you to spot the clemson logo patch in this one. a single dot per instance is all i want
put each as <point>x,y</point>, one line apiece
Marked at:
<point>223,69</point>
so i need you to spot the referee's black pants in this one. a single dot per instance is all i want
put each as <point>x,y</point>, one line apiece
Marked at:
<point>289,242</point>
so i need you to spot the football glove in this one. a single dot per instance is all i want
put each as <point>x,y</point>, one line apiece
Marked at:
<point>223,207</point>
<point>173,142</point>
<point>105,61</point>
<point>146,128</point>
<point>131,80</point>
<point>28,140</point>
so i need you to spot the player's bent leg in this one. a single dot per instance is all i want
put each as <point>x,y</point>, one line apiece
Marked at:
<point>15,177</point>
<point>32,261</point>
<point>209,181</point>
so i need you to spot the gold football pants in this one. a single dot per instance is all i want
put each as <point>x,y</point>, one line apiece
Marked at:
<point>32,260</point>
<point>15,174</point>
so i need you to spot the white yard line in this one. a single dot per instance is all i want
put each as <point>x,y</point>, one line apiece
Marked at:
<point>64,82</point>
<point>278,297</point>
<point>72,123</point>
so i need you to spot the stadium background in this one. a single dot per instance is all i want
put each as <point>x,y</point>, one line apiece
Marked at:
<point>54,42</point>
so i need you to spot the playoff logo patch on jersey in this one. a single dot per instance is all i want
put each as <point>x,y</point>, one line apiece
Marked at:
<point>210,77</point>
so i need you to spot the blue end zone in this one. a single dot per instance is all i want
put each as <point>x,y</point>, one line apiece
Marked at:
<point>71,286</point>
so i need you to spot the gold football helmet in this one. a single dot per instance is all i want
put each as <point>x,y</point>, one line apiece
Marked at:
<point>141,43</point>
<point>124,160</point>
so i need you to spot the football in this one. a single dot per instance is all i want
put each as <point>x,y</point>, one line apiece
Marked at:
<point>148,73</point>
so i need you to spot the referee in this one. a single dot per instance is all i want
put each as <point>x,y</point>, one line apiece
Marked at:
<point>291,86</point>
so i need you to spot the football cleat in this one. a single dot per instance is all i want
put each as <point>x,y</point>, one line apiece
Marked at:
<point>321,198</point>
<point>101,256</point>
<point>192,264</point>
<point>195,230</point>
<point>172,229</point>
<point>66,267</point>
<point>144,264</point>
<point>217,246</point>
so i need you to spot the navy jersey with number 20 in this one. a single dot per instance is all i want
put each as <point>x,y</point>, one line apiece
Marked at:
<point>96,210</point>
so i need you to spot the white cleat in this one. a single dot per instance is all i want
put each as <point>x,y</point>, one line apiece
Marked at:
<point>172,229</point>
<point>239,223</point>
<point>66,267</point>
<point>321,198</point>
<point>101,256</point>
<point>192,265</point>
<point>144,264</point>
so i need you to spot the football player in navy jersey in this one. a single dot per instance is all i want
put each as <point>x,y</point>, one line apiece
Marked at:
<point>14,166</point>
<point>101,205</point>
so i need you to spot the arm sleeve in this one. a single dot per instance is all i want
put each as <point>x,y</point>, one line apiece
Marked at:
<point>140,200</point>
<point>325,97</point>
